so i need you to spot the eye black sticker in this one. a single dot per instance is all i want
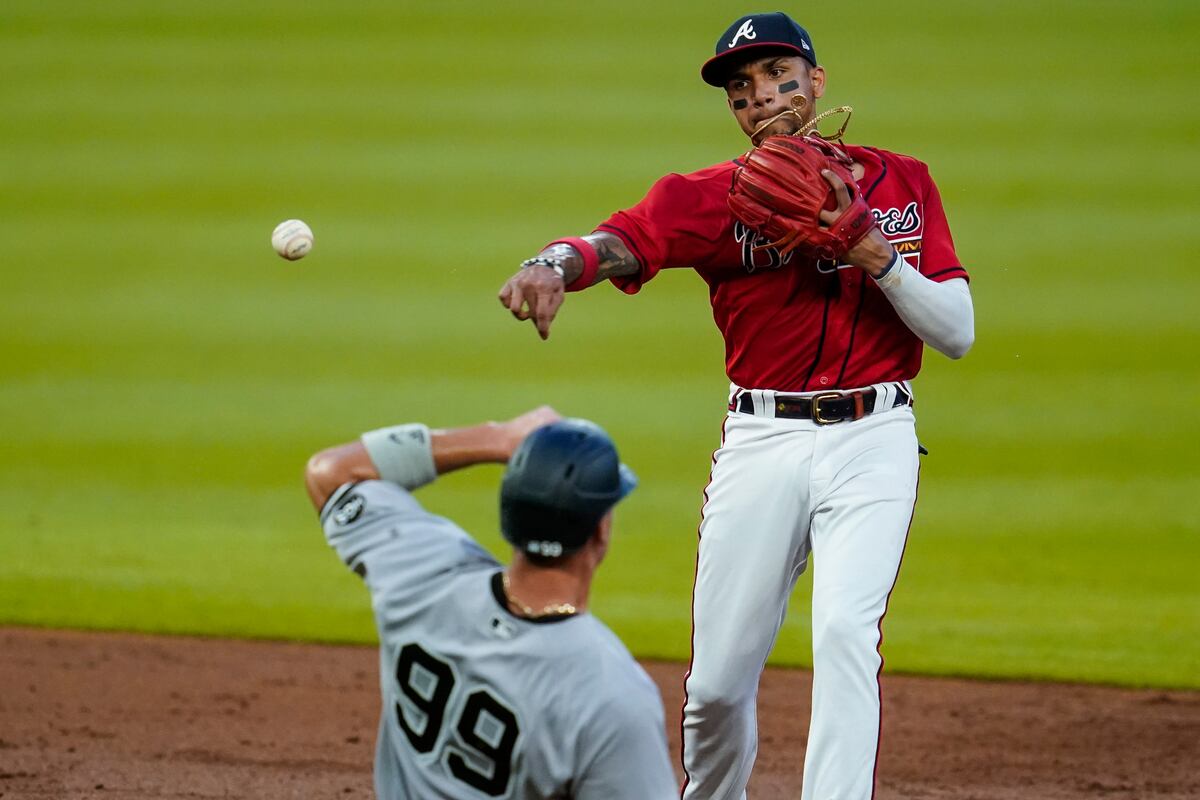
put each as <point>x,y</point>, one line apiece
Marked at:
<point>738,105</point>
<point>790,86</point>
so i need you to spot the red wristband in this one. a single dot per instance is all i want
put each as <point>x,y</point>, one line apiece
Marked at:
<point>591,262</point>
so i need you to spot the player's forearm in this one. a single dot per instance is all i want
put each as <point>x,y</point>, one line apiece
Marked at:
<point>409,455</point>
<point>455,448</point>
<point>612,257</point>
<point>942,314</point>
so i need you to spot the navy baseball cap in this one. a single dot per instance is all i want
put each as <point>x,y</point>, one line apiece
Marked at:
<point>756,32</point>
<point>561,481</point>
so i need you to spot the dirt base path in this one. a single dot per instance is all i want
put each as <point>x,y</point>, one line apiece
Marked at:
<point>123,716</point>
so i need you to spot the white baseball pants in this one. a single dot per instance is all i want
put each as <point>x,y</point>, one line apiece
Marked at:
<point>782,489</point>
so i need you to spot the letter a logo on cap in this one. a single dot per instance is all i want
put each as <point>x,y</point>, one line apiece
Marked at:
<point>744,32</point>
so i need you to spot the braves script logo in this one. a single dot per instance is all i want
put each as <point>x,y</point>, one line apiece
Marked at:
<point>752,260</point>
<point>895,222</point>
<point>744,32</point>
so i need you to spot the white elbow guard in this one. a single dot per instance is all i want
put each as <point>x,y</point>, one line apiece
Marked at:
<point>403,454</point>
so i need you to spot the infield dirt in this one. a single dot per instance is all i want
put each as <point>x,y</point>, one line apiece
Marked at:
<point>126,716</point>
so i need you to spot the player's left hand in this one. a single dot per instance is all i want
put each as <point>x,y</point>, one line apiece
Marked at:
<point>873,252</point>
<point>517,428</point>
<point>535,293</point>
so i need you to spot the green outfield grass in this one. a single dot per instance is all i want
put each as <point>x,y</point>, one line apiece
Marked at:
<point>164,376</point>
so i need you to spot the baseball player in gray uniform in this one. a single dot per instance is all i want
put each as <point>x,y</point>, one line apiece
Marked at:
<point>496,682</point>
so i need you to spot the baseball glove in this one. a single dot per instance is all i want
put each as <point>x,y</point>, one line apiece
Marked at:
<point>779,192</point>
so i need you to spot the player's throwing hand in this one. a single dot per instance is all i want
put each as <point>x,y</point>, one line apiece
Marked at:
<point>534,292</point>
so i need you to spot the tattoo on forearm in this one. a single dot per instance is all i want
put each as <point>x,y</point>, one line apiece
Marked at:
<point>615,258</point>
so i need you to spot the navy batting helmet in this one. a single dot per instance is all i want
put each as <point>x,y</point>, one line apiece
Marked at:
<point>559,484</point>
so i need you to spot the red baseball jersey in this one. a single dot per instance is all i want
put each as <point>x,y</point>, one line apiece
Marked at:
<point>791,323</point>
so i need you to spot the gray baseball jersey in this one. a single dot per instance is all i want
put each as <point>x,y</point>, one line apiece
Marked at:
<point>480,703</point>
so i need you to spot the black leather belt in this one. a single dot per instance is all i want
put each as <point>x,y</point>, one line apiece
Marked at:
<point>823,409</point>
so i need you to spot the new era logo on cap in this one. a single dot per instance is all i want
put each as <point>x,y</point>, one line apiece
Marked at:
<point>756,31</point>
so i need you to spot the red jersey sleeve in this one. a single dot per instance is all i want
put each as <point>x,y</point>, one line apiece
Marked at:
<point>938,262</point>
<point>682,222</point>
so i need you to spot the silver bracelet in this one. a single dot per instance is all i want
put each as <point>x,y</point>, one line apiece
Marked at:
<point>552,262</point>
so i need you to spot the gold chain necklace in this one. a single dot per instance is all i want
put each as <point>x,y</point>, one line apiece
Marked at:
<point>551,610</point>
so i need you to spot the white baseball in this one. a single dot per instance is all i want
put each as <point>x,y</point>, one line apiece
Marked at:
<point>292,239</point>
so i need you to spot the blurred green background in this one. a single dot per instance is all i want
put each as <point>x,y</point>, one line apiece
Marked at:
<point>164,376</point>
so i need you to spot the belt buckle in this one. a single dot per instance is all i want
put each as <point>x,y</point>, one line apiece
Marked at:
<point>816,408</point>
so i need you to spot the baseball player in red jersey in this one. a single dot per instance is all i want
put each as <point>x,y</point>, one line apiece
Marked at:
<point>819,455</point>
